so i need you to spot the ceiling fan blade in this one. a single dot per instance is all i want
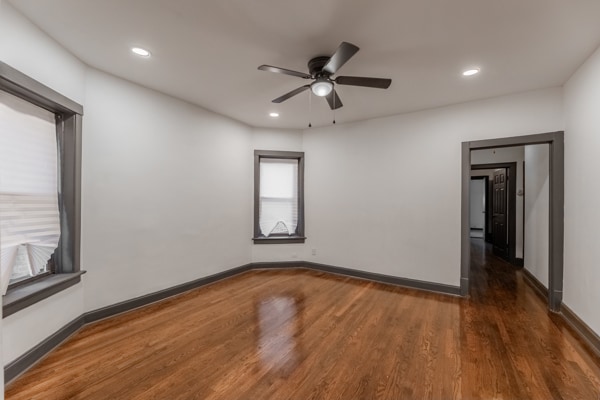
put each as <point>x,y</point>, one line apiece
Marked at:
<point>334,100</point>
<point>291,94</point>
<point>379,83</point>
<point>340,57</point>
<point>278,70</point>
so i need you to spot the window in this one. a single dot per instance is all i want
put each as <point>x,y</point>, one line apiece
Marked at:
<point>278,197</point>
<point>29,217</point>
<point>40,174</point>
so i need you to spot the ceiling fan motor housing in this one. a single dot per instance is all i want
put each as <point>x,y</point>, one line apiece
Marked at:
<point>315,66</point>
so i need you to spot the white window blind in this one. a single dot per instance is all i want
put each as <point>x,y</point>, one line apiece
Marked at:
<point>278,207</point>
<point>29,215</point>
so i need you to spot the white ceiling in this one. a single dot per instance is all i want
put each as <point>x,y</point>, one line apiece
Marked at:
<point>207,51</point>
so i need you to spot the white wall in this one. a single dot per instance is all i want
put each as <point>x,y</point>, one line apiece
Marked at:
<point>582,194</point>
<point>276,139</point>
<point>28,49</point>
<point>384,195</point>
<point>165,191</point>
<point>537,208</point>
<point>503,155</point>
<point>477,203</point>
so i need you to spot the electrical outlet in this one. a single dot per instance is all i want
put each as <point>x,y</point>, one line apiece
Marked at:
<point>314,252</point>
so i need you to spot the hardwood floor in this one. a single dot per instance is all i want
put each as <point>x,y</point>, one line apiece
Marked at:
<point>301,334</point>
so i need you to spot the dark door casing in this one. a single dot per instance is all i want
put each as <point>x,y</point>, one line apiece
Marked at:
<point>499,214</point>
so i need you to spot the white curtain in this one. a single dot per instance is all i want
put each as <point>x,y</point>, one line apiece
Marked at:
<point>29,216</point>
<point>278,207</point>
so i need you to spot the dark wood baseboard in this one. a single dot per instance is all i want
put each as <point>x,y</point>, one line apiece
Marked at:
<point>519,262</point>
<point>150,298</point>
<point>387,279</point>
<point>279,265</point>
<point>537,286</point>
<point>371,276</point>
<point>588,336</point>
<point>580,328</point>
<point>15,368</point>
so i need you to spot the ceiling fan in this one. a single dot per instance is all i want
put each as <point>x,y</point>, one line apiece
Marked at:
<point>321,70</point>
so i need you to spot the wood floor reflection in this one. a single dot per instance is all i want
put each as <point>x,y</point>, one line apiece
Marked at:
<point>308,335</point>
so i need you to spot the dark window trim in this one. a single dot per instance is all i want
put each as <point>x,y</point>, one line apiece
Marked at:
<point>21,85</point>
<point>258,238</point>
<point>68,132</point>
<point>23,296</point>
<point>27,281</point>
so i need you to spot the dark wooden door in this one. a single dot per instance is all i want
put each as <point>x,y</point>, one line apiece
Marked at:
<point>500,214</point>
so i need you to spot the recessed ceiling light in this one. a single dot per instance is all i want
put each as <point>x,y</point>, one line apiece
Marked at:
<point>471,72</point>
<point>140,52</point>
<point>273,115</point>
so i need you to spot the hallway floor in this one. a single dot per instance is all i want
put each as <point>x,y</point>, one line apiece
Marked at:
<point>538,353</point>
<point>302,334</point>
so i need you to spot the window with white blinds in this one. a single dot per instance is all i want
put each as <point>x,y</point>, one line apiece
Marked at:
<point>279,195</point>
<point>278,209</point>
<point>29,214</point>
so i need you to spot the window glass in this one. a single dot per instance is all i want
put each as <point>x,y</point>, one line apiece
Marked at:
<point>278,208</point>
<point>29,214</point>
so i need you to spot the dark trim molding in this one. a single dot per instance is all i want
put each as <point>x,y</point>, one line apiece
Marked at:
<point>27,360</point>
<point>370,276</point>
<point>278,240</point>
<point>24,362</point>
<point>589,337</point>
<point>465,223</point>
<point>278,265</point>
<point>387,279</point>
<point>538,286</point>
<point>21,85</point>
<point>23,296</point>
<point>150,298</point>
<point>555,140</point>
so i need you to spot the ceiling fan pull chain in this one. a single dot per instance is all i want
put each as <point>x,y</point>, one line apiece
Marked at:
<point>334,96</point>
<point>309,109</point>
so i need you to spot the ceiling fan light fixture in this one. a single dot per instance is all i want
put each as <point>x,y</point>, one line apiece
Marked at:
<point>321,87</point>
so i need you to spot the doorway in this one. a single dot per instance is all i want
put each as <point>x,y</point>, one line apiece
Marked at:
<point>501,214</point>
<point>478,213</point>
<point>555,140</point>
